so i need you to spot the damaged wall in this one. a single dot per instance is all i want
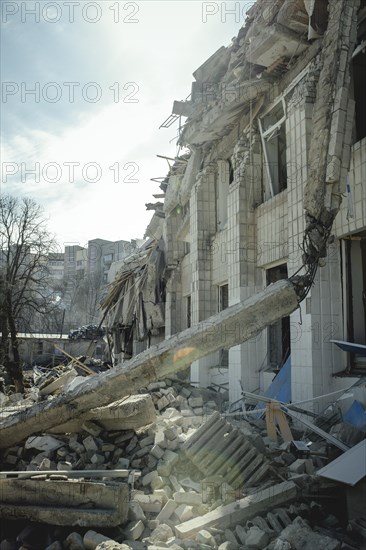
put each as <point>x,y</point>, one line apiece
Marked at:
<point>277,107</point>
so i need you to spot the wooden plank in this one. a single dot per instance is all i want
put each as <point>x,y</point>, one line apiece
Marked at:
<point>74,360</point>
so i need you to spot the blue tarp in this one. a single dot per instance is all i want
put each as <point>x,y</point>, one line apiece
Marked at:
<point>356,415</point>
<point>280,388</point>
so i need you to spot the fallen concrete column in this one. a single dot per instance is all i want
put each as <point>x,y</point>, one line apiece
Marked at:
<point>329,151</point>
<point>240,510</point>
<point>128,413</point>
<point>224,330</point>
<point>64,502</point>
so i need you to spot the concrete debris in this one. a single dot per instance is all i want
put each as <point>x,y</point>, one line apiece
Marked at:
<point>212,489</point>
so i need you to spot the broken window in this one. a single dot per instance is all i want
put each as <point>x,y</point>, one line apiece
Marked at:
<point>223,304</point>
<point>273,135</point>
<point>189,311</point>
<point>278,334</point>
<point>223,297</point>
<point>354,292</point>
<point>224,179</point>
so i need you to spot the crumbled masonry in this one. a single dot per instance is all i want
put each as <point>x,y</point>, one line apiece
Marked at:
<point>193,478</point>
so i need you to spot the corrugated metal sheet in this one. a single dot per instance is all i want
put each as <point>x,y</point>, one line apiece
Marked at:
<point>348,468</point>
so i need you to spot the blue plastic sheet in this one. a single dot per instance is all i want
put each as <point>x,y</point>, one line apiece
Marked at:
<point>356,415</point>
<point>280,388</point>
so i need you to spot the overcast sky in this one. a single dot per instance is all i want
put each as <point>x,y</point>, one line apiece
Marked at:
<point>104,76</point>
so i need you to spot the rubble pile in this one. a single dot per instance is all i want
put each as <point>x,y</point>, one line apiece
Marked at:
<point>191,479</point>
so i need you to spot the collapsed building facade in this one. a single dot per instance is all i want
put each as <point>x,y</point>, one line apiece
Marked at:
<point>274,139</point>
<point>275,136</point>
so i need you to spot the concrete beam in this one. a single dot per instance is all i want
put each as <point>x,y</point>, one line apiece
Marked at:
<point>64,502</point>
<point>240,511</point>
<point>224,330</point>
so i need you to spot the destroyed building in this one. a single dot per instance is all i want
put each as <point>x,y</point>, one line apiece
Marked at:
<point>268,115</point>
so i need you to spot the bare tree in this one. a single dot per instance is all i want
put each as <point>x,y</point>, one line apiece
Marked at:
<point>25,244</point>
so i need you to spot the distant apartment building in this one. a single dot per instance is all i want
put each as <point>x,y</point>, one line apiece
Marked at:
<point>86,277</point>
<point>55,266</point>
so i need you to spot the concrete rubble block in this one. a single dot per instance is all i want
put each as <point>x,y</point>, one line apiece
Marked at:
<point>273,522</point>
<point>90,444</point>
<point>241,533</point>
<point>171,433</point>
<point>157,483</point>
<point>126,435</point>
<point>256,538</point>
<point>74,542</point>
<point>175,484</point>
<point>167,490</point>
<point>155,386</point>
<point>163,494</point>
<point>134,530</point>
<point>159,439</point>
<point>76,447</point>
<point>283,516</point>
<point>98,458</point>
<point>172,445</point>
<point>162,403</point>
<point>230,537</point>
<point>241,510</point>
<point>189,497</point>
<point>167,511</point>
<point>157,451</point>
<point>135,512</point>
<point>43,443</point>
<point>63,502</point>
<point>298,467</point>
<point>261,523</point>
<point>161,533</point>
<point>185,392</point>
<point>122,464</point>
<point>132,445</point>
<point>91,427</point>
<point>300,537</point>
<point>184,512</point>
<point>166,463</point>
<point>128,413</point>
<point>149,503</point>
<point>152,462</point>
<point>146,441</point>
<point>195,402</point>
<point>148,478</point>
<point>191,484</point>
<point>205,537</point>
